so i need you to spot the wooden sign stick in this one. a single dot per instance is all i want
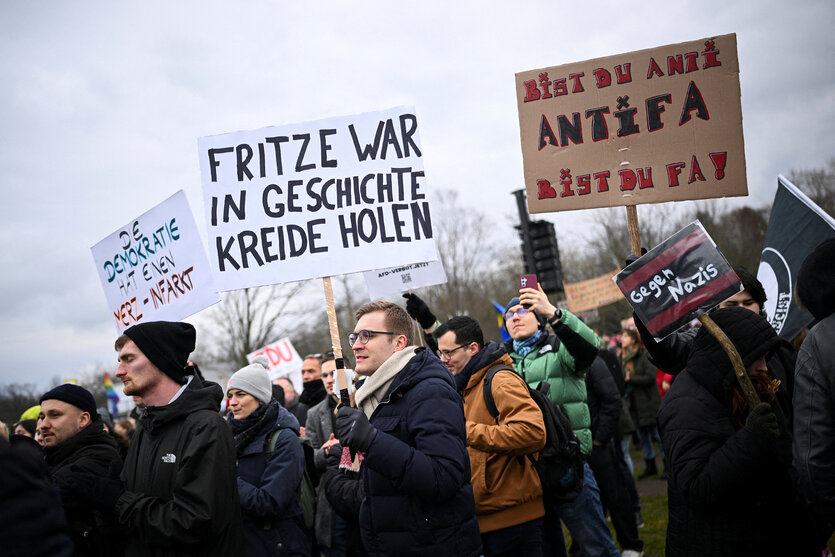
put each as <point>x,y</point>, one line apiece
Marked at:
<point>711,326</point>
<point>335,344</point>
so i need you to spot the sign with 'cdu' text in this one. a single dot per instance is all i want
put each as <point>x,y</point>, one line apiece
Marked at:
<point>154,268</point>
<point>678,280</point>
<point>316,199</point>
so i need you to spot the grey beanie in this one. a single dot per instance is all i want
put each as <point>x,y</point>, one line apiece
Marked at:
<point>253,379</point>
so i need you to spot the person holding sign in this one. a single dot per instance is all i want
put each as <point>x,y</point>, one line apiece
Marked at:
<point>730,483</point>
<point>562,359</point>
<point>410,425</point>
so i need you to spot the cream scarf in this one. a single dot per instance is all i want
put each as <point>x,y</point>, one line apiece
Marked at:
<point>374,389</point>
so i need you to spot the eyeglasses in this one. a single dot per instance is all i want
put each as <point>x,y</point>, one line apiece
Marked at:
<point>520,312</point>
<point>364,336</point>
<point>447,353</point>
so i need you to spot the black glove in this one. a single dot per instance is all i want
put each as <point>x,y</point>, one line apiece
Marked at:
<point>101,491</point>
<point>632,258</point>
<point>419,311</point>
<point>353,429</point>
<point>762,421</point>
<point>333,454</point>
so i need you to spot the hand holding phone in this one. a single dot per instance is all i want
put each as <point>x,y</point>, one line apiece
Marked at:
<point>527,281</point>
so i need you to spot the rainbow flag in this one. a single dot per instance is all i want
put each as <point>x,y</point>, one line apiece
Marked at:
<point>112,395</point>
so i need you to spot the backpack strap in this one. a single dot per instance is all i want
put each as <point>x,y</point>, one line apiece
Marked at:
<point>488,389</point>
<point>273,439</point>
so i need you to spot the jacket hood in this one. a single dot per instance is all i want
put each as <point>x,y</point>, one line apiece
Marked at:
<point>198,395</point>
<point>287,420</point>
<point>489,353</point>
<point>90,436</point>
<point>750,333</point>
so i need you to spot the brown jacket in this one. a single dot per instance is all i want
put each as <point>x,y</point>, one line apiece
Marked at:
<point>506,486</point>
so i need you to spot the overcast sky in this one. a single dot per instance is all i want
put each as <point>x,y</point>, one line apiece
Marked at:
<point>102,104</point>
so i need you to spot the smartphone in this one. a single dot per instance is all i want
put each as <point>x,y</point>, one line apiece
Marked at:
<point>527,281</point>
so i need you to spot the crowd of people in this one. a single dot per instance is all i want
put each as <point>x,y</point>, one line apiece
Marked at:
<point>435,450</point>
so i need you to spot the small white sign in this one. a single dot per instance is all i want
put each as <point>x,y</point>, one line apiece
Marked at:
<point>403,278</point>
<point>284,361</point>
<point>154,268</point>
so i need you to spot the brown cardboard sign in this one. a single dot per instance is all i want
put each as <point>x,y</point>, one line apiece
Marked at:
<point>593,293</point>
<point>655,125</point>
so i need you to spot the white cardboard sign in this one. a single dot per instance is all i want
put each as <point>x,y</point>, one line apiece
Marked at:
<point>284,361</point>
<point>316,199</point>
<point>395,280</point>
<point>154,268</point>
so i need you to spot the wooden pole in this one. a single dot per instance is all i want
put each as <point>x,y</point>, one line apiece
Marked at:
<point>634,230</point>
<point>729,348</point>
<point>335,344</point>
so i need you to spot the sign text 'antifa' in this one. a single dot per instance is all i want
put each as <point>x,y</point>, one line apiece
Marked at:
<point>384,207</point>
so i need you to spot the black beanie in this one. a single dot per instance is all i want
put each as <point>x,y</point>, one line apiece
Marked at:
<point>166,343</point>
<point>751,285</point>
<point>816,280</point>
<point>75,395</point>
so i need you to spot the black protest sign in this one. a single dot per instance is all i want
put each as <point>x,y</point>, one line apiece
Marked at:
<point>678,280</point>
<point>316,199</point>
<point>795,227</point>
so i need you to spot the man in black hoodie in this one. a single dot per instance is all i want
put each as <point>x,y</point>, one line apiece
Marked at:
<point>180,480</point>
<point>74,440</point>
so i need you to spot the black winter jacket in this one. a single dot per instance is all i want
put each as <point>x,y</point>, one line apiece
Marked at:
<point>91,450</point>
<point>416,474</point>
<point>273,523</point>
<point>604,402</point>
<point>730,492</point>
<point>814,418</point>
<point>181,482</point>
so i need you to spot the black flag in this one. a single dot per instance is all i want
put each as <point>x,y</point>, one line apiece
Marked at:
<point>795,227</point>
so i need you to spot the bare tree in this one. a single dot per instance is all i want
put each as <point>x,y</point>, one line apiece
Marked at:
<point>818,184</point>
<point>245,320</point>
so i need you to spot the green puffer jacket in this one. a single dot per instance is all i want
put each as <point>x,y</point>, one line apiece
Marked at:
<point>562,360</point>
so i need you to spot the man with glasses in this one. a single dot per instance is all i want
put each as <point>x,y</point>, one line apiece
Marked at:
<point>562,359</point>
<point>510,510</point>
<point>409,424</point>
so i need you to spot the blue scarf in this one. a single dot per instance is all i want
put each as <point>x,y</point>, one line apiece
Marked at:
<point>524,347</point>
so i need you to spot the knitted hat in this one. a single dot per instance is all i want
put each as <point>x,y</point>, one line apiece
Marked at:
<point>816,280</point>
<point>166,343</point>
<point>253,379</point>
<point>75,395</point>
<point>515,302</point>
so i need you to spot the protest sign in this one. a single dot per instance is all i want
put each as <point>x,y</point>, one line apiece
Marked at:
<point>284,361</point>
<point>316,199</point>
<point>593,293</point>
<point>796,226</point>
<point>677,280</point>
<point>395,280</point>
<point>154,268</point>
<point>663,124</point>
